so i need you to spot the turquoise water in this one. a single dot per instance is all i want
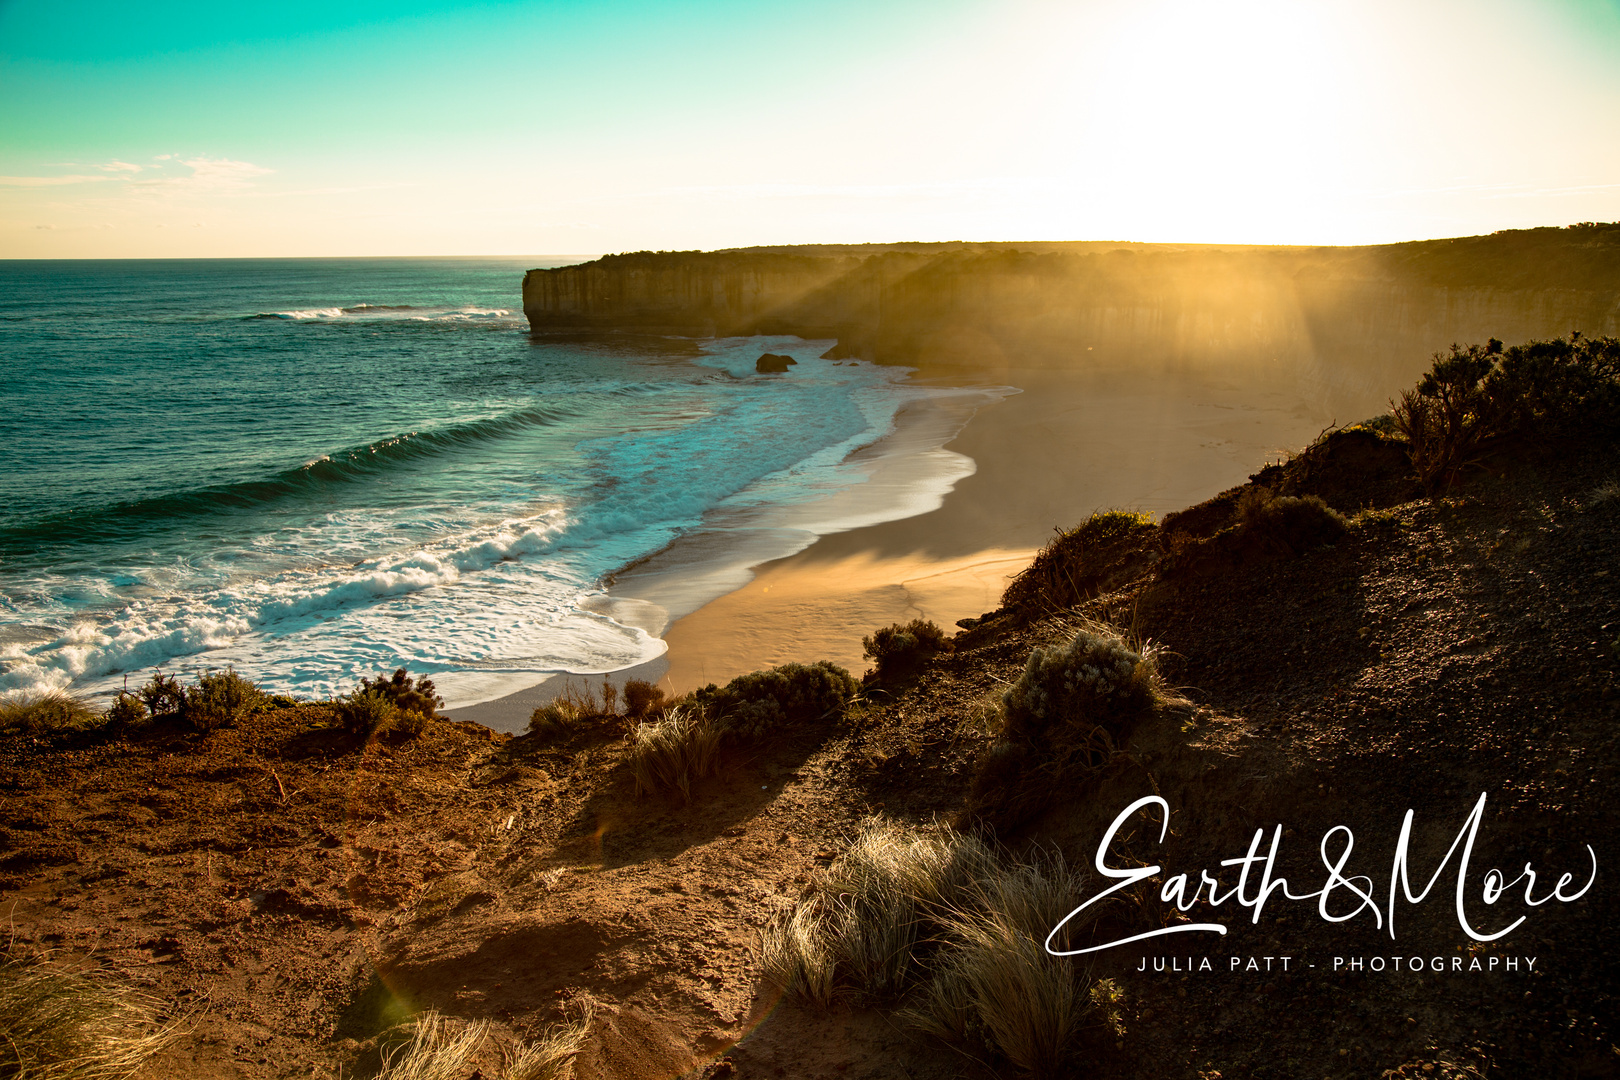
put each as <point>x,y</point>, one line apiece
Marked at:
<point>318,469</point>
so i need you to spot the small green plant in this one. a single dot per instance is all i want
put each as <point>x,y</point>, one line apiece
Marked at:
<point>126,711</point>
<point>1065,693</point>
<point>365,712</point>
<point>674,751</point>
<point>220,699</point>
<point>900,650</point>
<point>52,710</point>
<point>57,1024</point>
<point>406,694</point>
<point>757,704</point>
<point>163,695</point>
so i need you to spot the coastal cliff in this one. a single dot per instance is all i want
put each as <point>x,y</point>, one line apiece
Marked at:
<point>1333,321</point>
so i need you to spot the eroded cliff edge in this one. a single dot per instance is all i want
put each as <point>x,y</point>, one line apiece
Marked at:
<point>1335,321</point>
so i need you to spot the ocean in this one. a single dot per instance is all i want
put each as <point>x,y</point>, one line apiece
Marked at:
<point>316,470</point>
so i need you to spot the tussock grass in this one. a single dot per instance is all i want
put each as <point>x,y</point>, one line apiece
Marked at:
<point>550,1056</point>
<point>52,710</point>
<point>437,1049</point>
<point>1081,562</point>
<point>674,751</point>
<point>65,1025</point>
<point>903,906</point>
<point>560,717</point>
<point>860,931</point>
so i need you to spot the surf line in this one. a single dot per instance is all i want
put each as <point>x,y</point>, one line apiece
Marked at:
<point>1493,885</point>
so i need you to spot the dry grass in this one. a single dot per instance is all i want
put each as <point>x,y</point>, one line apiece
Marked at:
<point>562,716</point>
<point>50,711</point>
<point>66,1025</point>
<point>995,987</point>
<point>551,1055</point>
<point>863,927</point>
<point>675,751</point>
<point>438,1049</point>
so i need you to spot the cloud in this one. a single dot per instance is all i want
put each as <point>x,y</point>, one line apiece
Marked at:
<point>120,166</point>
<point>48,181</point>
<point>208,176</point>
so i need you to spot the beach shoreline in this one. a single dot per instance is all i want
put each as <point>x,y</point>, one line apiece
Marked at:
<point>1066,444</point>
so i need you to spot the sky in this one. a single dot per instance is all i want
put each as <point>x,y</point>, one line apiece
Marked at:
<point>409,127</point>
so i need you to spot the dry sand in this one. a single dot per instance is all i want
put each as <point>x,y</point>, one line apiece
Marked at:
<point>1045,458</point>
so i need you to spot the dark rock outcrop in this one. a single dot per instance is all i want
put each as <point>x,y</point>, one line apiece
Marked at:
<point>773,363</point>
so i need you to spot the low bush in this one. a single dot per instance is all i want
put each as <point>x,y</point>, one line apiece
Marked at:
<point>365,712</point>
<point>674,751</point>
<point>1287,525</point>
<point>1082,562</point>
<point>1476,396</point>
<point>1065,693</point>
<point>52,710</point>
<point>560,717</point>
<point>641,699</point>
<point>755,705</point>
<point>57,1024</point>
<point>900,650</point>
<point>126,711</point>
<point>220,699</point>
<point>406,694</point>
<point>163,695</point>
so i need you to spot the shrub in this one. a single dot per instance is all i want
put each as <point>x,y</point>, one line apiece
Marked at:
<point>163,695</point>
<point>1082,562</point>
<point>641,699</point>
<point>365,712</point>
<point>1287,525</point>
<point>126,711</point>
<point>900,650</point>
<point>1096,681</point>
<point>220,699</point>
<point>1560,388</point>
<point>63,1025</point>
<point>756,704</point>
<point>562,715</point>
<point>52,710</point>
<point>405,694</point>
<point>674,751</point>
<point>1449,414</point>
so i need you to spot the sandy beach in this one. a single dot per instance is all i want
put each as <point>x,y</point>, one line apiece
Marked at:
<point>1024,464</point>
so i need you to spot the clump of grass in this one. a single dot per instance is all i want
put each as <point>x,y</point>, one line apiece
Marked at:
<point>1605,494</point>
<point>64,1025</point>
<point>1082,562</point>
<point>562,715</point>
<point>674,751</point>
<point>859,932</point>
<point>641,699</point>
<point>51,710</point>
<point>898,651</point>
<point>436,1049</point>
<point>551,1055</point>
<point>758,704</point>
<point>996,986</point>
<point>220,699</point>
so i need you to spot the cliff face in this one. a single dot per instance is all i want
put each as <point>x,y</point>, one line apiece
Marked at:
<point>1333,322</point>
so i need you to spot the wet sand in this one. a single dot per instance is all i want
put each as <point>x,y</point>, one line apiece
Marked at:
<point>1042,459</point>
